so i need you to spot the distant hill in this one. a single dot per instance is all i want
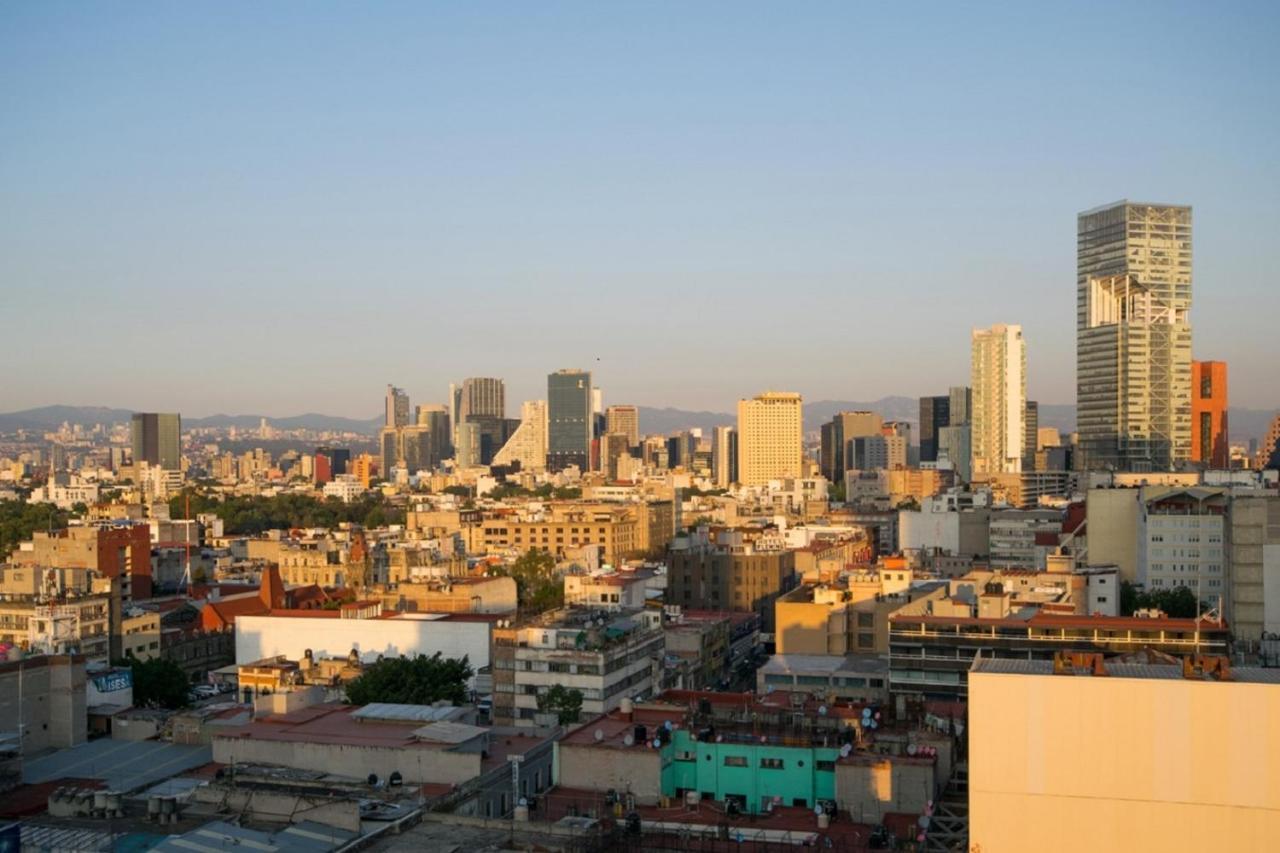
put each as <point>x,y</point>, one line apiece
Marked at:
<point>656,421</point>
<point>51,417</point>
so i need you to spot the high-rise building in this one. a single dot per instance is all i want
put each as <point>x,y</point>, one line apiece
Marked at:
<point>466,454</point>
<point>436,418</point>
<point>1133,337</point>
<point>569,421</point>
<point>455,410</point>
<point>1271,444</point>
<point>724,456</point>
<point>1031,435</point>
<point>397,414</point>
<point>770,438</point>
<point>836,435</point>
<point>935,413</point>
<point>157,440</point>
<point>528,444</point>
<point>999,383</point>
<point>961,405</point>
<point>482,396</point>
<point>1209,443</point>
<point>613,446</point>
<point>623,420</point>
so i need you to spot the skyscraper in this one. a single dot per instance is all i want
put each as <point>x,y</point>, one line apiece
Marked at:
<point>569,421</point>
<point>624,420</point>
<point>1209,444</point>
<point>960,406</point>
<point>833,453</point>
<point>935,413</point>
<point>397,405</point>
<point>999,383</point>
<point>724,456</point>
<point>1133,336</point>
<point>157,440</point>
<point>528,444</point>
<point>770,438</point>
<point>483,396</point>
<point>1031,435</point>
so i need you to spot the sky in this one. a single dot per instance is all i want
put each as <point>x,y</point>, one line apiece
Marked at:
<point>278,208</point>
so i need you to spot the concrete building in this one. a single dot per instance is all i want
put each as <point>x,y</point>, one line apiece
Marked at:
<point>628,589</point>
<point>999,381</point>
<point>834,459</point>
<point>955,449</point>
<point>1253,543</point>
<point>1133,337</point>
<point>1182,541</point>
<point>1210,442</point>
<point>724,456</point>
<point>49,710</point>
<point>734,575</point>
<point>622,530</point>
<point>847,616</point>
<point>770,438</point>
<point>608,662</point>
<point>528,444</point>
<point>623,420</point>
<point>942,527</point>
<point>117,550</point>
<point>1154,761</point>
<point>569,420</point>
<point>396,408</point>
<point>1023,538</point>
<point>157,440</point>
<point>935,413</point>
<point>844,678</point>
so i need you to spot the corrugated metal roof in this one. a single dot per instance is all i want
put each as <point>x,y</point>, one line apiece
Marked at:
<point>405,712</point>
<point>305,837</point>
<point>448,732</point>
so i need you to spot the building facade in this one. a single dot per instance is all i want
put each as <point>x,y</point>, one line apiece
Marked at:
<point>569,420</point>
<point>770,438</point>
<point>1210,445</point>
<point>1133,337</point>
<point>157,440</point>
<point>999,381</point>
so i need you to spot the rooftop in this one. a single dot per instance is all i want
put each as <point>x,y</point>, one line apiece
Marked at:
<point>1169,672</point>
<point>809,664</point>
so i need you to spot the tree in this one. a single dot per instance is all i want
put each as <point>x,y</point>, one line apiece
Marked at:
<point>18,520</point>
<point>566,703</point>
<point>1179,602</point>
<point>538,586</point>
<point>419,680</point>
<point>459,491</point>
<point>158,683</point>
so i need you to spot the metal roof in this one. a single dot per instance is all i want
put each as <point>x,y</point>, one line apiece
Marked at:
<point>123,765</point>
<point>1168,672</point>
<point>406,712</point>
<point>305,837</point>
<point>449,732</point>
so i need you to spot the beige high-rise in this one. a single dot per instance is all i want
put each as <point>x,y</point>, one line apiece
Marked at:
<point>1133,337</point>
<point>998,418</point>
<point>624,420</point>
<point>528,444</point>
<point>770,438</point>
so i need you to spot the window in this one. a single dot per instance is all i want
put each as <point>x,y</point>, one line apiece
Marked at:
<point>735,760</point>
<point>771,763</point>
<point>828,766</point>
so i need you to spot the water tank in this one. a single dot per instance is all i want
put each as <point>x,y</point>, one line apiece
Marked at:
<point>153,808</point>
<point>99,801</point>
<point>692,798</point>
<point>522,814</point>
<point>824,820</point>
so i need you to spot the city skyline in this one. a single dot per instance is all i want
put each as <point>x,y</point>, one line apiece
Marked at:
<point>883,175</point>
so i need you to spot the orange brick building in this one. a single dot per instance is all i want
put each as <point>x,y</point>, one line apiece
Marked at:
<point>1209,443</point>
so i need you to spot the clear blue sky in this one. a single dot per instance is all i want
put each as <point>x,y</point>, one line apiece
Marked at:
<point>277,207</point>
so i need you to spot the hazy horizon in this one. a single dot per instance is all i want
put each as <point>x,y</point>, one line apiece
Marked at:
<point>280,209</point>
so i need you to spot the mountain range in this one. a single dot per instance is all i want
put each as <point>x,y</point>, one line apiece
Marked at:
<point>1245,423</point>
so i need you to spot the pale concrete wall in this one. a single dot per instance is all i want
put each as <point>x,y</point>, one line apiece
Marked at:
<point>282,808</point>
<point>1113,529</point>
<point>638,770</point>
<point>1150,764</point>
<point>868,790</point>
<point>415,764</point>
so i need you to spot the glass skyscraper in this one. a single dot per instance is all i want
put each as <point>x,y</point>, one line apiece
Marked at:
<point>568,419</point>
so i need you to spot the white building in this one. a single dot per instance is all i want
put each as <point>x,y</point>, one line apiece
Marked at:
<point>345,486</point>
<point>999,379</point>
<point>621,590</point>
<point>1180,542</point>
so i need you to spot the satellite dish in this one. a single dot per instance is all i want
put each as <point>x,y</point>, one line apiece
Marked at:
<point>845,750</point>
<point>657,743</point>
<point>818,810</point>
<point>523,801</point>
<point>629,741</point>
<point>667,725</point>
<point>822,710</point>
<point>866,713</point>
<point>599,735</point>
<point>911,749</point>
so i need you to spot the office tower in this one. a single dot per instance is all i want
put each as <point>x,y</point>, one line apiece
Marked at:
<point>467,452</point>
<point>397,414</point>
<point>416,448</point>
<point>1133,337</point>
<point>388,450</point>
<point>614,446</point>
<point>597,401</point>
<point>1209,443</point>
<point>955,444</point>
<point>999,385</point>
<point>836,435</point>
<point>528,443</point>
<point>935,413</point>
<point>455,411</point>
<point>157,440</point>
<point>482,396</point>
<point>960,406</point>
<point>569,419</point>
<point>1030,433</point>
<point>872,452</point>
<point>770,438</point>
<point>436,418</point>
<point>624,420</point>
<point>1271,444</point>
<point>724,456</point>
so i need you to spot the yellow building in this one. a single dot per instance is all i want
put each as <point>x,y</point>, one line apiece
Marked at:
<point>770,438</point>
<point>841,619</point>
<point>1131,757</point>
<point>140,634</point>
<point>363,467</point>
<point>621,530</point>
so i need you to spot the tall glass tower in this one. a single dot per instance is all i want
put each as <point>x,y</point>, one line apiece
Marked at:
<point>1133,337</point>
<point>568,419</point>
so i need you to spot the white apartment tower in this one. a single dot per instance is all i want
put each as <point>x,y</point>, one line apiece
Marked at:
<point>770,438</point>
<point>999,380</point>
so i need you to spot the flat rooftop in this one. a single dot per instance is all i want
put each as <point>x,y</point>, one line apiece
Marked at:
<point>829,664</point>
<point>123,765</point>
<point>1170,672</point>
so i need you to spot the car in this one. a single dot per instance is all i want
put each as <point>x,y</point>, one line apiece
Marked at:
<point>204,691</point>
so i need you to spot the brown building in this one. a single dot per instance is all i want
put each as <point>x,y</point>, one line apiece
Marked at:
<point>621,530</point>
<point>115,550</point>
<point>1209,441</point>
<point>706,576</point>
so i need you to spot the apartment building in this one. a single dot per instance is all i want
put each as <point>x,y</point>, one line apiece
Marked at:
<point>731,573</point>
<point>622,531</point>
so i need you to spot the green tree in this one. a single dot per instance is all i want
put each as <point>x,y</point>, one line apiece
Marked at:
<point>459,491</point>
<point>566,703</point>
<point>18,520</point>
<point>252,514</point>
<point>1179,602</point>
<point>419,680</point>
<point>158,683</point>
<point>538,586</point>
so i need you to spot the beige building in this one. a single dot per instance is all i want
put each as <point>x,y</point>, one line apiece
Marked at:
<point>841,619</point>
<point>453,595</point>
<point>770,438</point>
<point>528,444</point>
<point>1149,757</point>
<point>52,711</point>
<point>140,634</point>
<point>621,530</point>
<point>624,420</point>
<point>999,381</point>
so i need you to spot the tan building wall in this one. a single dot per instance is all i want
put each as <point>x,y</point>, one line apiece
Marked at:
<point>140,636</point>
<point>53,711</point>
<point>1150,764</point>
<point>415,765</point>
<point>1113,529</point>
<point>870,787</point>
<point>770,438</point>
<point>599,769</point>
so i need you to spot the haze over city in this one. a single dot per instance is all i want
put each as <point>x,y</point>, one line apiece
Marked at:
<point>248,209</point>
